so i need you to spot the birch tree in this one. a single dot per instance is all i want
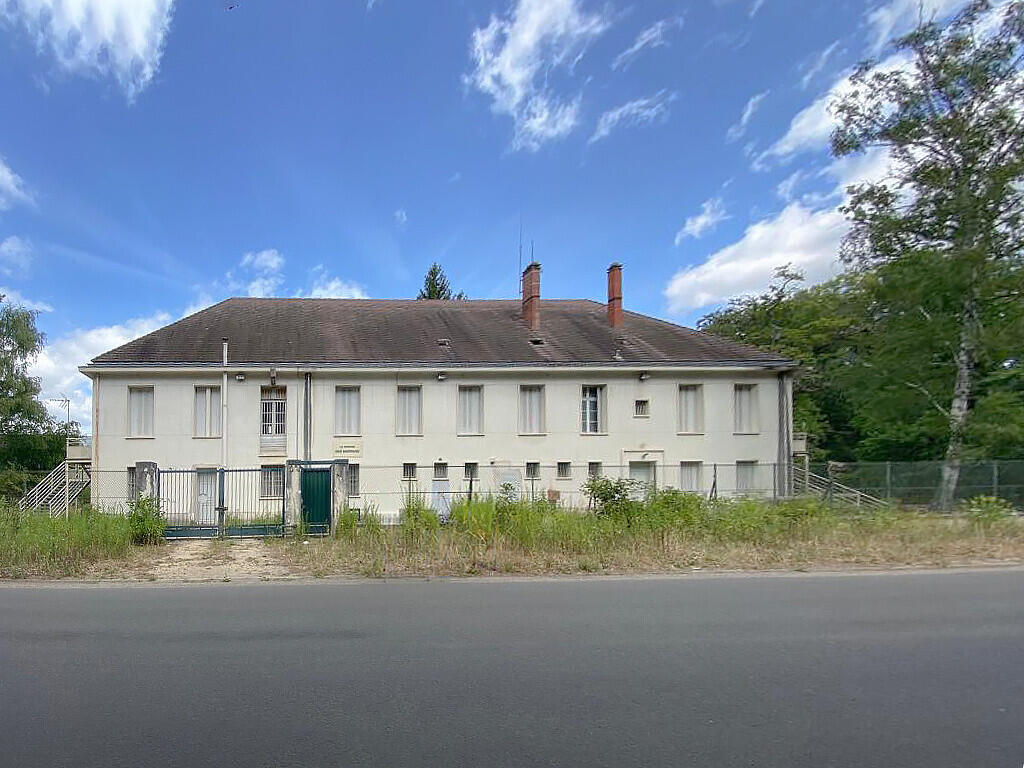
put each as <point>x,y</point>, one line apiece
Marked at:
<point>948,217</point>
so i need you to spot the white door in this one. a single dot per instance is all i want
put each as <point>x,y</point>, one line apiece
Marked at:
<point>206,497</point>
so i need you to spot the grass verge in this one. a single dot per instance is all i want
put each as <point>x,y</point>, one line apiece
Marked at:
<point>36,545</point>
<point>663,532</point>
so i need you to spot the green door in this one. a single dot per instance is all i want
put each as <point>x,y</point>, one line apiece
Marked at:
<point>316,500</point>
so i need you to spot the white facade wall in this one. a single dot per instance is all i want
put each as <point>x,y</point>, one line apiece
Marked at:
<point>381,453</point>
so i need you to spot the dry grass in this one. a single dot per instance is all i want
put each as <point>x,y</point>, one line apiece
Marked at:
<point>898,540</point>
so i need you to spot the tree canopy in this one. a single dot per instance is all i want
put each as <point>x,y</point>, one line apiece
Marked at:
<point>436,286</point>
<point>915,351</point>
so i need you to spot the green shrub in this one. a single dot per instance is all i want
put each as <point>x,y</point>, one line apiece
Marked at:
<point>985,511</point>
<point>417,519</point>
<point>145,521</point>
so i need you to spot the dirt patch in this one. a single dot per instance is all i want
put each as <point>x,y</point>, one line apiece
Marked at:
<point>201,560</point>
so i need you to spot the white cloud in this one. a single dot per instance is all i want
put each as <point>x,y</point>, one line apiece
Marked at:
<point>807,239</point>
<point>636,112</point>
<point>57,365</point>
<point>123,39</point>
<point>514,57</point>
<point>15,256</point>
<point>712,213</point>
<point>754,8</point>
<point>401,217</point>
<point>12,296</point>
<point>652,37</point>
<point>264,269</point>
<point>267,260</point>
<point>787,187</point>
<point>12,188</point>
<point>817,63</point>
<point>736,131</point>
<point>324,286</point>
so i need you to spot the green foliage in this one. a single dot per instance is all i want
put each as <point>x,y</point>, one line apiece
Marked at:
<point>417,519</point>
<point>20,343</point>
<point>38,545</point>
<point>145,522</point>
<point>436,285</point>
<point>985,511</point>
<point>346,523</point>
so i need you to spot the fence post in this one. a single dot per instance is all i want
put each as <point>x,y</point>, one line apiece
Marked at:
<point>67,489</point>
<point>221,508</point>
<point>470,488</point>
<point>995,478</point>
<point>888,479</point>
<point>775,482</point>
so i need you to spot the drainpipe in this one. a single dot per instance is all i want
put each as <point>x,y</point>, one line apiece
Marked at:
<point>224,407</point>
<point>307,418</point>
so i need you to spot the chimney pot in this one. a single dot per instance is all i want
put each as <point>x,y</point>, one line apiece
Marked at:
<point>615,295</point>
<point>531,296</point>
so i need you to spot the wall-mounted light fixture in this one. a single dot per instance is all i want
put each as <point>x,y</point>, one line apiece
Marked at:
<point>644,375</point>
<point>239,377</point>
<point>441,376</point>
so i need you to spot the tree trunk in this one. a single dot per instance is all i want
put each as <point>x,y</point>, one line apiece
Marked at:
<point>960,407</point>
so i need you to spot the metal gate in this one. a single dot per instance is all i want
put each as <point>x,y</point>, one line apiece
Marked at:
<point>210,502</point>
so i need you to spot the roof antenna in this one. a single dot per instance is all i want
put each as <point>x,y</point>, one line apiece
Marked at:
<point>520,272</point>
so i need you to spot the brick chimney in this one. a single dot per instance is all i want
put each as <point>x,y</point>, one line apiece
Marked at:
<point>615,295</point>
<point>531,296</point>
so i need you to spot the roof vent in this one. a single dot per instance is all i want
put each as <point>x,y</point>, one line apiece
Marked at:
<point>537,341</point>
<point>444,342</point>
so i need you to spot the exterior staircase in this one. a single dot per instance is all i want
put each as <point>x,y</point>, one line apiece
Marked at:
<point>811,484</point>
<point>55,492</point>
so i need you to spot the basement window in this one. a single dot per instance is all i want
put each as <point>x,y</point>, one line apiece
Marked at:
<point>564,470</point>
<point>440,470</point>
<point>532,470</point>
<point>641,409</point>
<point>409,470</point>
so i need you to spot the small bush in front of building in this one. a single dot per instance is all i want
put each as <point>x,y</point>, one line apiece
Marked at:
<point>145,521</point>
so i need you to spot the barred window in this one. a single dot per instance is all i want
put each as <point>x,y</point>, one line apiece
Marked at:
<point>352,476</point>
<point>594,469</point>
<point>440,470</point>
<point>564,470</point>
<point>471,470</point>
<point>272,482</point>
<point>409,470</point>
<point>532,470</point>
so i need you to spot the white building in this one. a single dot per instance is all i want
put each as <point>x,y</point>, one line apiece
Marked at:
<point>434,396</point>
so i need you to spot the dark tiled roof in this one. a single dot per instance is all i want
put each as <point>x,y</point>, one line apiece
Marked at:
<point>354,332</point>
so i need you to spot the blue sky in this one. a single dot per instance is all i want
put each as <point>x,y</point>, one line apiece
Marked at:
<point>157,156</point>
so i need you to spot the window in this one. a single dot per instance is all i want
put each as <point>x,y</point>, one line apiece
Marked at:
<point>472,470</point>
<point>745,408</point>
<point>642,408</point>
<point>206,412</point>
<point>272,418</point>
<point>691,408</point>
<point>591,410</point>
<point>532,470</point>
<point>746,476</point>
<point>409,471</point>
<point>440,470</point>
<point>352,479</point>
<point>644,471</point>
<point>140,411</point>
<point>531,410</point>
<point>346,411</point>
<point>689,476</point>
<point>564,470</point>
<point>409,417</point>
<point>470,416</point>
<point>594,469</point>
<point>271,482</point>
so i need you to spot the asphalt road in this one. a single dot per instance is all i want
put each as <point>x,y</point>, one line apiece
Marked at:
<point>858,670</point>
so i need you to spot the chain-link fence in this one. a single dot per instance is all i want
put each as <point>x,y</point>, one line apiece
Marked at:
<point>916,482</point>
